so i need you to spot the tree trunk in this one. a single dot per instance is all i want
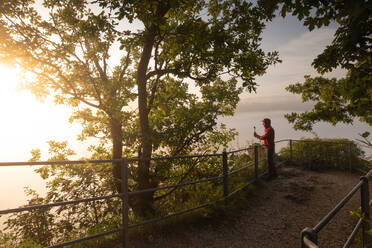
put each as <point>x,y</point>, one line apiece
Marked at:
<point>117,150</point>
<point>143,202</point>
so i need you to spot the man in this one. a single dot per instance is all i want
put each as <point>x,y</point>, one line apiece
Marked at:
<point>269,145</point>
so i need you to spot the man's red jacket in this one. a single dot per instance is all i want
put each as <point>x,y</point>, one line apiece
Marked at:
<point>268,137</point>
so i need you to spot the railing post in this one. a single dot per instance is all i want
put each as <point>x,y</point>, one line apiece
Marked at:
<point>256,162</point>
<point>303,156</point>
<point>290,151</point>
<point>125,200</point>
<point>311,235</point>
<point>365,211</point>
<point>225,176</point>
<point>308,154</point>
<point>327,155</point>
<point>350,156</point>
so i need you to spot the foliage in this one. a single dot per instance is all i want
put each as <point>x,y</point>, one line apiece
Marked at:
<point>165,46</point>
<point>366,143</point>
<point>336,101</point>
<point>357,212</point>
<point>35,226</point>
<point>344,99</point>
<point>181,170</point>
<point>69,182</point>
<point>191,40</point>
<point>320,154</point>
<point>47,226</point>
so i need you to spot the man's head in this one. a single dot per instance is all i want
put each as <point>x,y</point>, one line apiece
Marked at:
<point>266,122</point>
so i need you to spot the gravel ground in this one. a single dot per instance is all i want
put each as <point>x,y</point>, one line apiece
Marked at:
<point>276,214</point>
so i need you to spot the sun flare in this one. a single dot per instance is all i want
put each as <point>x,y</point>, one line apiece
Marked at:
<point>9,79</point>
<point>26,123</point>
<point>13,100</point>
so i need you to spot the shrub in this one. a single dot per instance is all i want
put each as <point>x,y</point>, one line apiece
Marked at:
<point>319,153</point>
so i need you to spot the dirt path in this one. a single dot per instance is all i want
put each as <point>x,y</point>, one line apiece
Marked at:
<point>277,213</point>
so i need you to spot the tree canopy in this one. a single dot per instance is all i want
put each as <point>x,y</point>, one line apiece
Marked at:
<point>337,100</point>
<point>144,103</point>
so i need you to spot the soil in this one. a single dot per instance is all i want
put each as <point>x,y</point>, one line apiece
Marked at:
<point>275,215</point>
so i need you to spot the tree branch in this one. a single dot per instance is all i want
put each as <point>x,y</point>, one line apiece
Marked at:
<point>153,92</point>
<point>55,45</point>
<point>74,94</point>
<point>126,65</point>
<point>102,75</point>
<point>184,176</point>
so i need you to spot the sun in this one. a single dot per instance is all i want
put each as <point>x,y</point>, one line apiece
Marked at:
<point>9,80</point>
<point>28,123</point>
<point>12,99</point>
<point>23,117</point>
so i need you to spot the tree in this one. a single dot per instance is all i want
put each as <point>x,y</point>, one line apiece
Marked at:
<point>194,40</point>
<point>167,45</point>
<point>34,228</point>
<point>47,226</point>
<point>336,100</point>
<point>50,226</point>
<point>68,54</point>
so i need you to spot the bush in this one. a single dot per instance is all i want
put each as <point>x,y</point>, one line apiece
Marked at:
<point>325,154</point>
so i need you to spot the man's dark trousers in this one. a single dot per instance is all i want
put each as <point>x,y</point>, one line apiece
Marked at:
<point>270,161</point>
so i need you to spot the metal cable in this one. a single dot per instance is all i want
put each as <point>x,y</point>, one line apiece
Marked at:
<point>55,204</point>
<point>331,214</point>
<point>174,186</point>
<point>239,170</point>
<point>353,234</point>
<point>86,238</point>
<point>168,216</point>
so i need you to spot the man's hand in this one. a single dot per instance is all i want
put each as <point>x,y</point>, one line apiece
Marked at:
<point>255,134</point>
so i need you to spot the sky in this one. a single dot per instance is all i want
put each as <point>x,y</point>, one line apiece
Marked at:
<point>297,48</point>
<point>28,123</point>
